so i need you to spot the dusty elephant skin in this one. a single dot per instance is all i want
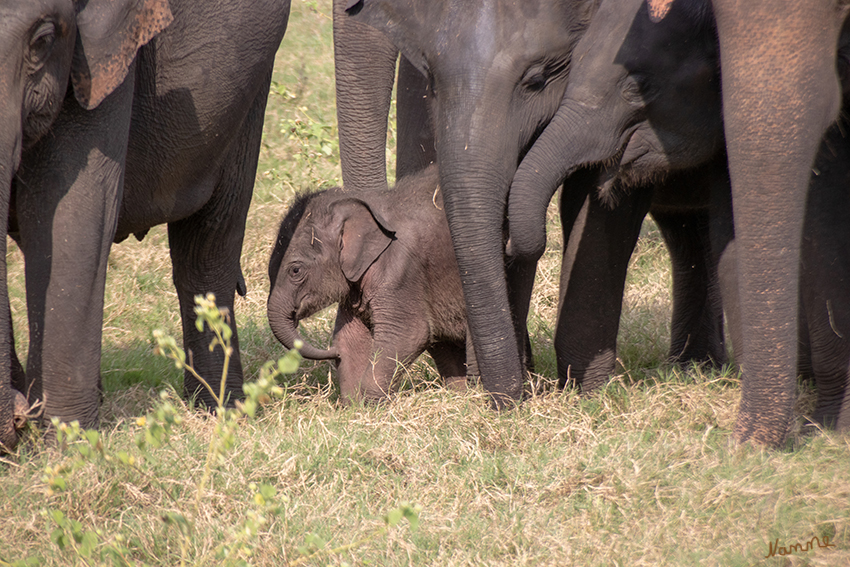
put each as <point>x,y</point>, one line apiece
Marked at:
<point>646,99</point>
<point>503,67</point>
<point>780,94</point>
<point>117,116</point>
<point>386,257</point>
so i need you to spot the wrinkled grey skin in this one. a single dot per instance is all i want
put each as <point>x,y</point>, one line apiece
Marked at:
<point>160,122</point>
<point>628,118</point>
<point>386,257</point>
<point>643,106</point>
<point>364,69</point>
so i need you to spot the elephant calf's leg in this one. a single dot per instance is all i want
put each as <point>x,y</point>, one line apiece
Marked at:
<point>450,359</point>
<point>354,341</point>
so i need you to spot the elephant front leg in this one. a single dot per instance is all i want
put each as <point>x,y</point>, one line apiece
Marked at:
<point>370,358</point>
<point>774,117</point>
<point>68,197</point>
<point>205,253</point>
<point>598,243</point>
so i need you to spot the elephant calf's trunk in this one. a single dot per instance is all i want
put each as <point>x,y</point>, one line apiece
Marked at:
<point>285,329</point>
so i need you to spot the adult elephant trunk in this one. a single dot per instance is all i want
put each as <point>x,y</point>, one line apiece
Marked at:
<point>573,139</point>
<point>10,154</point>
<point>477,158</point>
<point>285,329</point>
<point>364,62</point>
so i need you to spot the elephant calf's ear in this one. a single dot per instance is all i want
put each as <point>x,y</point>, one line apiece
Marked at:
<point>363,238</point>
<point>109,33</point>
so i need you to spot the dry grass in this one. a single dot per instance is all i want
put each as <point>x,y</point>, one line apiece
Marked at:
<point>641,473</point>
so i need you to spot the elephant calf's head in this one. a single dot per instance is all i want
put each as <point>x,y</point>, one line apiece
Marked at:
<point>325,245</point>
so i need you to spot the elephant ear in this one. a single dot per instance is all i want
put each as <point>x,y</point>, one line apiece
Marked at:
<point>406,23</point>
<point>109,33</point>
<point>363,237</point>
<point>658,9</point>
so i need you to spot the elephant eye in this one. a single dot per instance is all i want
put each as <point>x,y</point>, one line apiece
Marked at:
<point>41,43</point>
<point>539,75</point>
<point>535,78</point>
<point>636,89</point>
<point>296,272</point>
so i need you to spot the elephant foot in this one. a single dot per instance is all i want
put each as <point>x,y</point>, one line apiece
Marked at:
<point>23,412</point>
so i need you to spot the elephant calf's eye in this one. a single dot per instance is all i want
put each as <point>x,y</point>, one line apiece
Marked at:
<point>296,272</point>
<point>538,76</point>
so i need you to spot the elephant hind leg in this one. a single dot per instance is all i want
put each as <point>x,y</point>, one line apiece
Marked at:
<point>205,254</point>
<point>824,273</point>
<point>697,322</point>
<point>450,358</point>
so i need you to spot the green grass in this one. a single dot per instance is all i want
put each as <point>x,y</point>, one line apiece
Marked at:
<point>643,472</point>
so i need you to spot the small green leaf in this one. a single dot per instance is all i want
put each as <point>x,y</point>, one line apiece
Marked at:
<point>88,544</point>
<point>315,541</point>
<point>394,516</point>
<point>58,538</point>
<point>92,436</point>
<point>289,363</point>
<point>412,515</point>
<point>268,491</point>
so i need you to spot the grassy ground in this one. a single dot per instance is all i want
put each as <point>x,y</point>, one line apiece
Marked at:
<point>641,473</point>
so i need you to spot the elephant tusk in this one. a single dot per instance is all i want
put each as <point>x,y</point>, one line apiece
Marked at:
<point>434,198</point>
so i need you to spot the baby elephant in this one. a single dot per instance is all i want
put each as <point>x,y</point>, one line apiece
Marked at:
<point>387,258</point>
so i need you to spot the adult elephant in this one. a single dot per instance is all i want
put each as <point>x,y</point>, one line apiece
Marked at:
<point>117,116</point>
<point>495,72</point>
<point>643,106</point>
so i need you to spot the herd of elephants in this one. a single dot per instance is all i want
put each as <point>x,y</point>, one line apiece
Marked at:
<point>721,118</point>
